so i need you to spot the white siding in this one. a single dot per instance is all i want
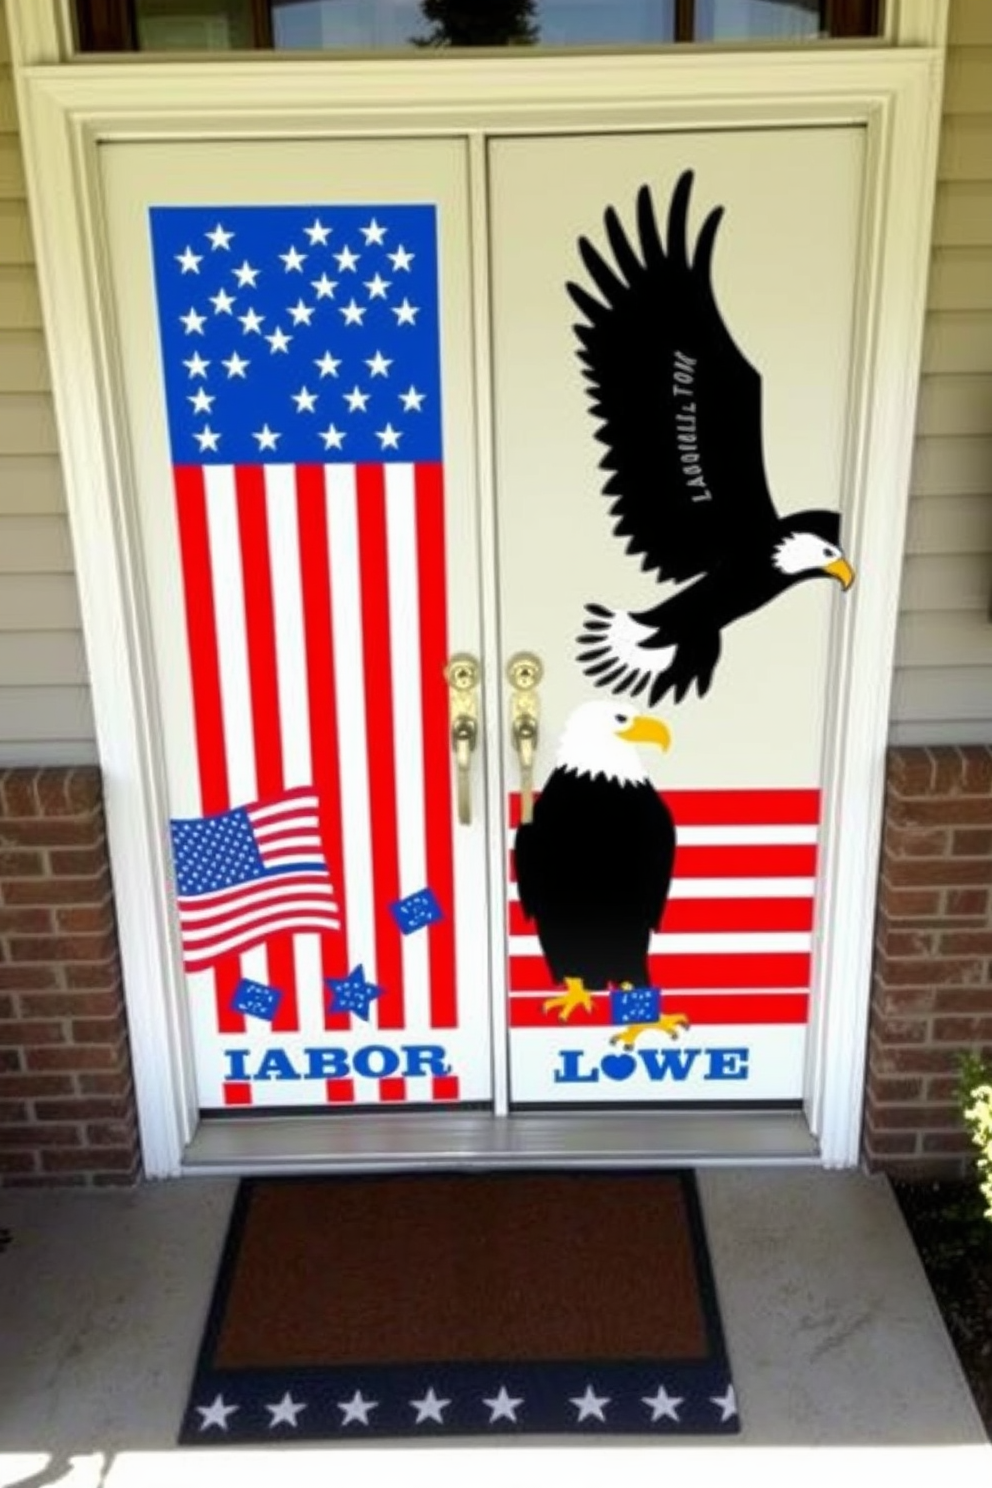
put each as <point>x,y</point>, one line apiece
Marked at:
<point>943,680</point>
<point>45,715</point>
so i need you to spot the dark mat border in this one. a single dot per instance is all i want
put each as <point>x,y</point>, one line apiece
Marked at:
<point>704,1388</point>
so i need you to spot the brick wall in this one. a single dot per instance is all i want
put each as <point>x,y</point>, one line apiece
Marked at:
<point>932,986</point>
<point>66,1099</point>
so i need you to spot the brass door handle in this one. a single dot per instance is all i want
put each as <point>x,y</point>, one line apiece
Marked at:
<point>462,676</point>
<point>524,671</point>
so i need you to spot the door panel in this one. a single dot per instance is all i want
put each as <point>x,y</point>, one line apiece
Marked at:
<point>298,376</point>
<point>730,951</point>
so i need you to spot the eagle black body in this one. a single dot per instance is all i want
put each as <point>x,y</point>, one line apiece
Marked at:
<point>593,871</point>
<point>679,412</point>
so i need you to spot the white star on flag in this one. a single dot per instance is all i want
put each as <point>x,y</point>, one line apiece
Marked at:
<point>356,399</point>
<point>207,438</point>
<point>356,1409</point>
<point>279,341</point>
<point>412,400</point>
<point>353,313</point>
<point>429,1408</point>
<point>202,401</point>
<point>317,233</point>
<point>406,314</point>
<point>216,1413</point>
<point>333,438</point>
<point>325,287</point>
<point>727,1403</point>
<point>346,259</point>
<point>188,261</point>
<point>285,1411</point>
<point>222,302</point>
<point>246,274</point>
<point>377,287</point>
<point>193,322</point>
<point>401,259</point>
<point>219,237</point>
<point>266,437</point>
<point>294,260</point>
<point>590,1405</point>
<point>197,366</point>
<point>327,365</point>
<point>662,1404</point>
<point>305,400</point>
<point>379,365</point>
<point>235,365</point>
<point>389,437</point>
<point>252,321</point>
<point>302,314</point>
<point>373,233</point>
<point>502,1407</point>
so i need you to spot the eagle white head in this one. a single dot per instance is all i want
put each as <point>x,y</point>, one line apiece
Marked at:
<point>805,553</point>
<point>600,738</point>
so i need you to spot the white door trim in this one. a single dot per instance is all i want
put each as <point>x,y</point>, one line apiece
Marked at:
<point>69,111</point>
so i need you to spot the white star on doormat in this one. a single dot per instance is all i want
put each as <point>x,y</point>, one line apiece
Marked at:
<point>357,1409</point>
<point>727,1403</point>
<point>430,1408</point>
<point>590,1404</point>
<point>285,1411</point>
<point>216,1413</point>
<point>663,1404</point>
<point>502,1407</point>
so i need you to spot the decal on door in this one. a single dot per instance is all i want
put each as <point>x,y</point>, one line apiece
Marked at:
<point>300,348</point>
<point>678,407</point>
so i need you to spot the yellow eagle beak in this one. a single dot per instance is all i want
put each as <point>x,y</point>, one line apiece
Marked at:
<point>842,570</point>
<point>645,730</point>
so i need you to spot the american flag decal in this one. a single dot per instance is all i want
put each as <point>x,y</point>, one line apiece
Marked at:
<point>300,350</point>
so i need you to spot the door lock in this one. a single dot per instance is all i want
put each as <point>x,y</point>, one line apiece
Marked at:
<point>462,677</point>
<point>524,671</point>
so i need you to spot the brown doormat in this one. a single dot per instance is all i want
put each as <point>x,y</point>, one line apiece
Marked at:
<point>452,1304</point>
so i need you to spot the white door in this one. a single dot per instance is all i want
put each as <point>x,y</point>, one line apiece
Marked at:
<point>294,322</point>
<point>665,955</point>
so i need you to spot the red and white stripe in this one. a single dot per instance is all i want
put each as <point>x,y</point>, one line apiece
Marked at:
<point>316,614</point>
<point>736,941</point>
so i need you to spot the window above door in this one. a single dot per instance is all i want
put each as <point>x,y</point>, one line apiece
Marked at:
<point>402,25</point>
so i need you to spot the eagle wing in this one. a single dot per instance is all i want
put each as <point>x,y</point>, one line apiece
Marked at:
<point>679,405</point>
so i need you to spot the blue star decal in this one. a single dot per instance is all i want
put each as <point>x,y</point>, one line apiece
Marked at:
<point>352,994</point>
<point>256,999</point>
<point>416,911</point>
<point>635,1005</point>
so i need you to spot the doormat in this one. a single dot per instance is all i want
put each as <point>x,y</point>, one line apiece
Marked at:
<point>463,1304</point>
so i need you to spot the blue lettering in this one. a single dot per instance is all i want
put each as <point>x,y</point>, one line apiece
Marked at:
<point>276,1065</point>
<point>660,1063</point>
<point>326,1064</point>
<point>376,1061</point>
<point>727,1064</point>
<point>425,1059</point>
<point>569,1072</point>
<point>237,1060</point>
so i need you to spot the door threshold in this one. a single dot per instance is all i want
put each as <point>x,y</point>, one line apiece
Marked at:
<point>313,1144</point>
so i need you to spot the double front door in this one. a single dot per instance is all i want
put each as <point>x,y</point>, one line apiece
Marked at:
<point>491,687</point>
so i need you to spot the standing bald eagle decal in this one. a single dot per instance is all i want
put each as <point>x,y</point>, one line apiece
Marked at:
<point>679,411</point>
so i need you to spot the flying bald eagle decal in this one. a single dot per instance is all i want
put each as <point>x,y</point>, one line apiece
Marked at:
<point>679,411</point>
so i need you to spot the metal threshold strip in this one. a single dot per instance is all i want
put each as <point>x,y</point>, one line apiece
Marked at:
<point>290,1144</point>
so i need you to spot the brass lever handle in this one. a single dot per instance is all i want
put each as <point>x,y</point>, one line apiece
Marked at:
<point>524,671</point>
<point>462,676</point>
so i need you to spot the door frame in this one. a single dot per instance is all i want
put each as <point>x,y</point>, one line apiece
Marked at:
<point>69,110</point>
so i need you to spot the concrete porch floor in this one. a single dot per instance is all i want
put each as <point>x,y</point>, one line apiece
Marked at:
<point>839,1355</point>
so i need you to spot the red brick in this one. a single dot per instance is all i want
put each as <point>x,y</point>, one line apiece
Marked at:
<point>72,1057</point>
<point>69,792</point>
<point>6,1008</point>
<point>901,1030</point>
<point>22,865</point>
<point>915,842</point>
<point>908,943</point>
<point>18,1162</point>
<point>887,1060</point>
<point>929,812</point>
<point>964,1000</point>
<point>27,1031</point>
<point>116,1083</point>
<point>109,1133</point>
<point>67,862</point>
<point>965,943</point>
<point>97,1030</point>
<point>11,1111</point>
<point>17,793</point>
<point>915,1117</point>
<point>887,1144</point>
<point>51,832</point>
<point>894,1088</point>
<point>952,1142</point>
<point>962,1030</point>
<point>903,1000</point>
<point>39,1135</point>
<point>976,775</point>
<point>95,974</point>
<point>971,842</point>
<point>71,1004</point>
<point>108,1157</point>
<point>973,902</point>
<point>10,1059</point>
<point>931,971</point>
<point>937,872</point>
<point>83,1108</point>
<point>25,921</point>
<point>27,978</point>
<point>903,904</point>
<point>35,1085</point>
<point>910,772</point>
<point>62,947</point>
<point>948,769</point>
<point>86,919</point>
<point>944,1087</point>
<point>92,889</point>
